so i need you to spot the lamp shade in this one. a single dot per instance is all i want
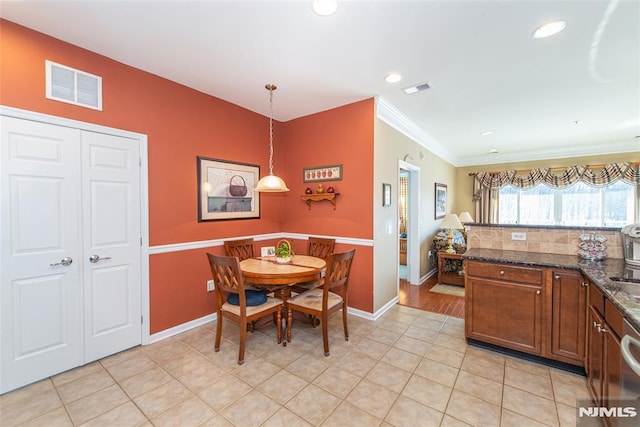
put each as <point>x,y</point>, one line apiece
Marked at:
<point>451,221</point>
<point>271,184</point>
<point>465,218</point>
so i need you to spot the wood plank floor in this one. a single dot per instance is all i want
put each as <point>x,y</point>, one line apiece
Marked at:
<point>420,297</point>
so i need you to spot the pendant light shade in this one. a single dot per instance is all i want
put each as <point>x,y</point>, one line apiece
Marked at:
<point>271,183</point>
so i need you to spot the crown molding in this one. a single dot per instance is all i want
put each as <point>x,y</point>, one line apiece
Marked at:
<point>389,114</point>
<point>558,153</point>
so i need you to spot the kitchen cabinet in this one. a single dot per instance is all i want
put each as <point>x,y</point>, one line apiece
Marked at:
<point>604,356</point>
<point>568,316</point>
<point>595,356</point>
<point>533,309</point>
<point>503,305</point>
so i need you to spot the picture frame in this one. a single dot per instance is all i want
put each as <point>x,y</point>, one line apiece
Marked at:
<point>266,251</point>
<point>322,173</point>
<point>386,194</point>
<point>226,190</point>
<point>440,200</point>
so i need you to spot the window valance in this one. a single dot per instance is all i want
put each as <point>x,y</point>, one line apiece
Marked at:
<point>596,176</point>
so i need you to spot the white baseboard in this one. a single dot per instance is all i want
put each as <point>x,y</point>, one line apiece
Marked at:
<point>167,333</point>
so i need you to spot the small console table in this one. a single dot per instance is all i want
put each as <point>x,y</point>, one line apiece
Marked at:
<point>450,269</point>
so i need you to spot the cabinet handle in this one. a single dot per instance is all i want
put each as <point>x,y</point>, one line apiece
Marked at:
<point>556,277</point>
<point>597,326</point>
<point>538,292</point>
<point>585,284</point>
<point>502,272</point>
<point>602,330</point>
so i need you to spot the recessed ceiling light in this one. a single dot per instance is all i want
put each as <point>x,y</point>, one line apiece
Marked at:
<point>549,29</point>
<point>417,88</point>
<point>493,151</point>
<point>486,132</point>
<point>392,78</point>
<point>325,7</point>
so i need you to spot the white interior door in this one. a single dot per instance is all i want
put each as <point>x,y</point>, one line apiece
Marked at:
<point>111,224</point>
<point>40,249</point>
<point>70,242</point>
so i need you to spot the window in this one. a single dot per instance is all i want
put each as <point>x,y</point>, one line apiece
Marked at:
<point>577,205</point>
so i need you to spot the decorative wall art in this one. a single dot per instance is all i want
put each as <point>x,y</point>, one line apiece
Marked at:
<point>440,201</point>
<point>225,190</point>
<point>322,173</point>
<point>386,194</point>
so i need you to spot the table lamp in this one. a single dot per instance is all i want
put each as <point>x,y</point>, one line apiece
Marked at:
<point>450,222</point>
<point>465,218</point>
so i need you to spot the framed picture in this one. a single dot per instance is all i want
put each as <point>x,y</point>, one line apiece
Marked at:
<point>386,194</point>
<point>268,251</point>
<point>322,173</point>
<point>441,200</point>
<point>225,190</point>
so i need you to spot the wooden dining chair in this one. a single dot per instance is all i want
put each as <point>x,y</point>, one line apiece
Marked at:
<point>320,248</point>
<point>327,299</point>
<point>227,277</point>
<point>242,248</point>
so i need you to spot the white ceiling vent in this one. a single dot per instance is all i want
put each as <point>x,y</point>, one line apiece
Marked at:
<point>73,86</point>
<point>417,88</point>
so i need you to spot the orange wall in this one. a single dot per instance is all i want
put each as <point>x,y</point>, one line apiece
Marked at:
<point>344,136</point>
<point>182,123</point>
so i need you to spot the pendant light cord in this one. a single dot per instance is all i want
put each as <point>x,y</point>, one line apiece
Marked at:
<point>271,88</point>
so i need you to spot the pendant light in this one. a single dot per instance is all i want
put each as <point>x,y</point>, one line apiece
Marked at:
<point>271,183</point>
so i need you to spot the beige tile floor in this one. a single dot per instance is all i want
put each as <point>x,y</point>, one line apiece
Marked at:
<point>408,368</point>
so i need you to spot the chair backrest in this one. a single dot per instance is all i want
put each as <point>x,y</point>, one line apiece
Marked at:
<point>227,275</point>
<point>338,270</point>
<point>243,248</point>
<point>319,247</point>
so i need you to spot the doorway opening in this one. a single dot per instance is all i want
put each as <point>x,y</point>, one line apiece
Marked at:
<point>409,222</point>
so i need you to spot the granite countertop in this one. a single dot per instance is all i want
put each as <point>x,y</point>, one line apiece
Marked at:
<point>597,271</point>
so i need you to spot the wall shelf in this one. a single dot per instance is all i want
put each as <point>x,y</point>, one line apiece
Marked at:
<point>331,197</point>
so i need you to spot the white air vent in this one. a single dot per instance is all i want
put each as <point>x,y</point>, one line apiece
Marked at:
<point>417,88</point>
<point>73,86</point>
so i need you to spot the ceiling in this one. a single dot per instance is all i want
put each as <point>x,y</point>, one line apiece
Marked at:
<point>572,94</point>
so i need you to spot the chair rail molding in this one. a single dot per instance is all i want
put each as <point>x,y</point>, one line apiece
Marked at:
<point>188,246</point>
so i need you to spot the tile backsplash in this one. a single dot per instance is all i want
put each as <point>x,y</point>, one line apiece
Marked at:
<point>540,239</point>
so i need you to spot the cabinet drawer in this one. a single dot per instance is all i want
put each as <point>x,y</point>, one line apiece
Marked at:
<point>613,317</point>
<point>510,273</point>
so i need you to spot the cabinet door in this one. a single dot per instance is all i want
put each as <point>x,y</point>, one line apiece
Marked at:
<point>612,385</point>
<point>595,355</point>
<point>569,293</point>
<point>505,314</point>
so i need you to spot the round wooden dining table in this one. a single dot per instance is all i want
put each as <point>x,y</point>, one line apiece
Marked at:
<point>265,272</point>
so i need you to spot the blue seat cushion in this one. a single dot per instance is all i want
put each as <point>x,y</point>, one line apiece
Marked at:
<point>253,298</point>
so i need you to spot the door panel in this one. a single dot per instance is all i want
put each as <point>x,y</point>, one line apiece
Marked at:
<point>70,248</point>
<point>41,296</point>
<point>111,221</point>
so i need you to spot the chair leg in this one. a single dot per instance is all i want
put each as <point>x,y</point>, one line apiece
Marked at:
<point>216,348</point>
<point>344,323</point>
<point>325,334</point>
<point>289,323</point>
<point>243,341</point>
